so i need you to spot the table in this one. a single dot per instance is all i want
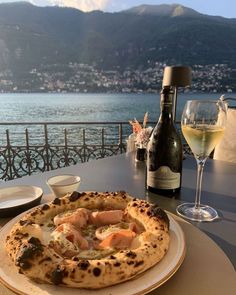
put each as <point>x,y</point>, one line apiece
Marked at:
<point>211,271</point>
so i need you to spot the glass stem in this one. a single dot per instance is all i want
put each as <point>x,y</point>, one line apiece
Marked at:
<point>200,166</point>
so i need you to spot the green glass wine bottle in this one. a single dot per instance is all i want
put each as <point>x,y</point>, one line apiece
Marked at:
<point>165,152</point>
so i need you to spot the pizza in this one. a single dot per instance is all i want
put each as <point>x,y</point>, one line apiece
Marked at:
<point>89,240</point>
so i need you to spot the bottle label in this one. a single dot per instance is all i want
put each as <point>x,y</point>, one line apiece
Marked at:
<point>163,178</point>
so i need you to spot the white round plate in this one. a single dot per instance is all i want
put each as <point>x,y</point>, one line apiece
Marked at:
<point>16,199</point>
<point>143,284</point>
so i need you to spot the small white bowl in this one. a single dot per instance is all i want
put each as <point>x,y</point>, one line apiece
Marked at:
<point>60,185</point>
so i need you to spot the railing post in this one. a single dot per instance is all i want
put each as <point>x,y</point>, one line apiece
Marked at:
<point>46,147</point>
<point>28,159</point>
<point>66,148</point>
<point>103,143</point>
<point>121,138</point>
<point>84,146</point>
<point>10,163</point>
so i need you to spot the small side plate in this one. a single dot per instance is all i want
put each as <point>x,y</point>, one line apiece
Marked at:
<point>16,199</point>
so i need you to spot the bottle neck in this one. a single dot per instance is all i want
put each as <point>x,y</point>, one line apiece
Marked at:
<point>167,104</point>
<point>166,111</point>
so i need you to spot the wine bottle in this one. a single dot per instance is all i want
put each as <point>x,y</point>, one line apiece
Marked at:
<point>164,151</point>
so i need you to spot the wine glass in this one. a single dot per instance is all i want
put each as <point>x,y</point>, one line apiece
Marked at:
<point>203,124</point>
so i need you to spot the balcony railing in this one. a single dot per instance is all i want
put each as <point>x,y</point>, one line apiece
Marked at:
<point>31,147</point>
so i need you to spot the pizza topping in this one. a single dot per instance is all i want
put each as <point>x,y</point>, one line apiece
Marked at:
<point>69,237</point>
<point>77,217</point>
<point>103,232</point>
<point>94,254</point>
<point>106,217</point>
<point>118,240</point>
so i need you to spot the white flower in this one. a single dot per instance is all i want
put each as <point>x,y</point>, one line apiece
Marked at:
<point>143,135</point>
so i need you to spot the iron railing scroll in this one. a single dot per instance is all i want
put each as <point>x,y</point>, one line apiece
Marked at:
<point>33,147</point>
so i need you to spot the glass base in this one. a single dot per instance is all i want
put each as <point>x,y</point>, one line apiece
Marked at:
<point>203,213</point>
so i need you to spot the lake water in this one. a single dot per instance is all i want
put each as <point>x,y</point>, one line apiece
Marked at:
<point>82,108</point>
<point>85,107</point>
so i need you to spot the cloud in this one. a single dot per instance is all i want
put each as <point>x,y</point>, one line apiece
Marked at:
<point>85,5</point>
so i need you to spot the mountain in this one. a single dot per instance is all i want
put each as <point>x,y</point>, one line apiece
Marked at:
<point>163,10</point>
<point>32,36</point>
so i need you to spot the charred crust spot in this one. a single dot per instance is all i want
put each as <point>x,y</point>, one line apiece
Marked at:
<point>35,241</point>
<point>131,254</point>
<point>96,271</point>
<point>134,199</point>
<point>75,259</point>
<point>95,193</point>
<point>83,265</point>
<point>56,201</point>
<point>7,238</point>
<point>74,196</point>
<point>117,264</point>
<point>135,204</point>
<point>34,213</point>
<point>138,263</point>
<point>86,199</point>
<point>156,211</point>
<point>57,276</point>
<point>44,260</point>
<point>25,265</point>
<point>147,205</point>
<point>154,246</point>
<point>26,222</point>
<point>27,252</point>
<point>112,257</point>
<point>142,210</point>
<point>22,222</point>
<point>83,194</point>
<point>130,262</point>
<point>45,207</point>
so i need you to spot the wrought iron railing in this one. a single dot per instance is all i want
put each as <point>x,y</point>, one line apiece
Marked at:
<point>31,147</point>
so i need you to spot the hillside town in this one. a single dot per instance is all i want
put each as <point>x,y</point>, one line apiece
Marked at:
<point>83,78</point>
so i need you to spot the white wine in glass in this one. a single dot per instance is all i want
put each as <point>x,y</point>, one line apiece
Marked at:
<point>203,124</point>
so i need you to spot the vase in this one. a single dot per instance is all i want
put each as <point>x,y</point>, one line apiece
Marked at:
<point>140,154</point>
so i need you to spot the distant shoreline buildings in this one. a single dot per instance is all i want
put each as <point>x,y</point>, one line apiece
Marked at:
<point>83,78</point>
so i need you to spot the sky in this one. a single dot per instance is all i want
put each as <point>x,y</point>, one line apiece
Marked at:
<point>226,8</point>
